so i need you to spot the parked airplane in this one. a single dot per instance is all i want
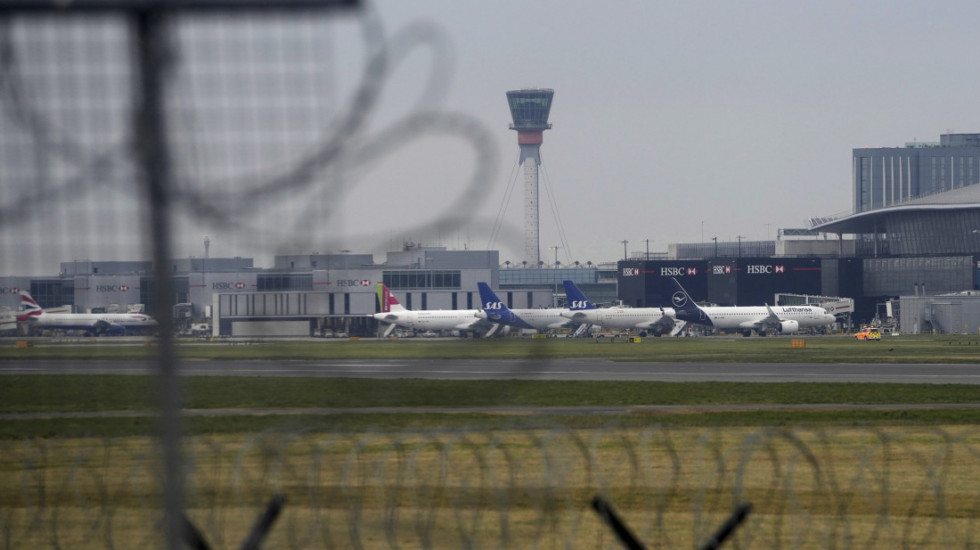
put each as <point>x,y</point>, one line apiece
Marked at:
<point>644,320</point>
<point>762,319</point>
<point>393,313</point>
<point>97,324</point>
<point>496,311</point>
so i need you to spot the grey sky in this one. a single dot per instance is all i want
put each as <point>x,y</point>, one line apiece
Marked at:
<point>672,121</point>
<point>737,114</point>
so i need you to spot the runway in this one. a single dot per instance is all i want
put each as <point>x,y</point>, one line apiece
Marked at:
<point>545,369</point>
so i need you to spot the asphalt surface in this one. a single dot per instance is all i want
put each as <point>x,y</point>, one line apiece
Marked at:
<point>550,369</point>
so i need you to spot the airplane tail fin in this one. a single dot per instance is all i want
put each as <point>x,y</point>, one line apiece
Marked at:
<point>29,307</point>
<point>496,310</point>
<point>387,301</point>
<point>576,299</point>
<point>684,307</point>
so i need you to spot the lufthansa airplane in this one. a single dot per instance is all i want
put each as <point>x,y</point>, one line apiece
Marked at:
<point>761,319</point>
<point>644,320</point>
<point>539,319</point>
<point>94,323</point>
<point>393,313</point>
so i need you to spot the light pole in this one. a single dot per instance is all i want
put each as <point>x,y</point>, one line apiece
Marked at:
<point>625,256</point>
<point>716,245</point>
<point>739,238</point>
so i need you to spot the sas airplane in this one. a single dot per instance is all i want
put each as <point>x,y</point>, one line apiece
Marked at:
<point>762,319</point>
<point>539,319</point>
<point>395,314</point>
<point>98,324</point>
<point>644,320</point>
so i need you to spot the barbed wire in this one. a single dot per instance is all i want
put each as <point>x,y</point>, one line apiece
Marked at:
<point>808,488</point>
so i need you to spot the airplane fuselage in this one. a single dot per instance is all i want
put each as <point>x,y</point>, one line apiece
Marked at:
<point>539,319</point>
<point>430,319</point>
<point>750,317</point>
<point>625,317</point>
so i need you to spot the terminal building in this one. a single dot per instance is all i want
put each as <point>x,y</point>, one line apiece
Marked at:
<point>907,253</point>
<point>912,238</point>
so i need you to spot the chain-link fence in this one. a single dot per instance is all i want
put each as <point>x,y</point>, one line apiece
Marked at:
<point>835,488</point>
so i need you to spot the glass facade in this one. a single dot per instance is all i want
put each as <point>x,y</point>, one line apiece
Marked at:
<point>423,279</point>
<point>284,281</point>
<point>549,277</point>
<point>52,293</point>
<point>530,108</point>
<point>886,176</point>
<point>933,233</point>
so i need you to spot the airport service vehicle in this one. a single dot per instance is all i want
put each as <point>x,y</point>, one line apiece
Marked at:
<point>867,334</point>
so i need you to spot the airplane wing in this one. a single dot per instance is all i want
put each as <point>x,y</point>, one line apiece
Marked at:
<point>772,323</point>
<point>662,324</point>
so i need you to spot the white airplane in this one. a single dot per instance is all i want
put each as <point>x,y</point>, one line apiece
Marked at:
<point>393,313</point>
<point>97,324</point>
<point>539,319</point>
<point>762,319</point>
<point>644,320</point>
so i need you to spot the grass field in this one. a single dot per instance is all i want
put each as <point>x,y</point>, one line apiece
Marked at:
<point>816,478</point>
<point>819,349</point>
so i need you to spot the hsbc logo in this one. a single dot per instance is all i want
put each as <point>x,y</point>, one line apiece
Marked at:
<point>9,290</point>
<point>678,271</point>
<point>111,288</point>
<point>721,270</point>
<point>764,269</point>
<point>228,286</point>
<point>631,271</point>
<point>353,282</point>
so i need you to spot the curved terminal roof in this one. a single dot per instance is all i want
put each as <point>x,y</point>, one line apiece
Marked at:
<point>964,198</point>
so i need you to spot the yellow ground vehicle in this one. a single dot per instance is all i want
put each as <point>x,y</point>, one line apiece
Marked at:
<point>868,334</point>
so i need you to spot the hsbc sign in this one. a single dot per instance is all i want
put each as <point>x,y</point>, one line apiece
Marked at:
<point>721,270</point>
<point>764,269</point>
<point>111,288</point>
<point>678,271</point>
<point>631,272</point>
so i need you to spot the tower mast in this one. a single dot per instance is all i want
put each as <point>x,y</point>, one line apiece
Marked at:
<point>529,109</point>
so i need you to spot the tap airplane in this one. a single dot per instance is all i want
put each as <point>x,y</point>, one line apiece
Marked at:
<point>644,320</point>
<point>98,324</point>
<point>762,319</point>
<point>395,314</point>
<point>539,319</point>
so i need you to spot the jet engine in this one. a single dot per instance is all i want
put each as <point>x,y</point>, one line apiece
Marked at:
<point>789,327</point>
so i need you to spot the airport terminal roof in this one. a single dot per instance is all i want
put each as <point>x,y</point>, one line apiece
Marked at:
<point>964,198</point>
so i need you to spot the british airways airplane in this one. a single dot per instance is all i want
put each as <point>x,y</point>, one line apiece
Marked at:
<point>761,319</point>
<point>539,319</point>
<point>97,324</point>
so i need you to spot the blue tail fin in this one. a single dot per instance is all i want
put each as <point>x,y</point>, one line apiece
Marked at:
<point>496,311</point>
<point>576,299</point>
<point>684,307</point>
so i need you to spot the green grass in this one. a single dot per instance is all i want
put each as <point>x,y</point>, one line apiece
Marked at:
<point>822,349</point>
<point>79,393</point>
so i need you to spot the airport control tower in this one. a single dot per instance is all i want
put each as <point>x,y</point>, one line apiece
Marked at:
<point>529,108</point>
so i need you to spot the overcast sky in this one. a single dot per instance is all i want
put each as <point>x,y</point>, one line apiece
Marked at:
<point>740,116</point>
<point>672,121</point>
